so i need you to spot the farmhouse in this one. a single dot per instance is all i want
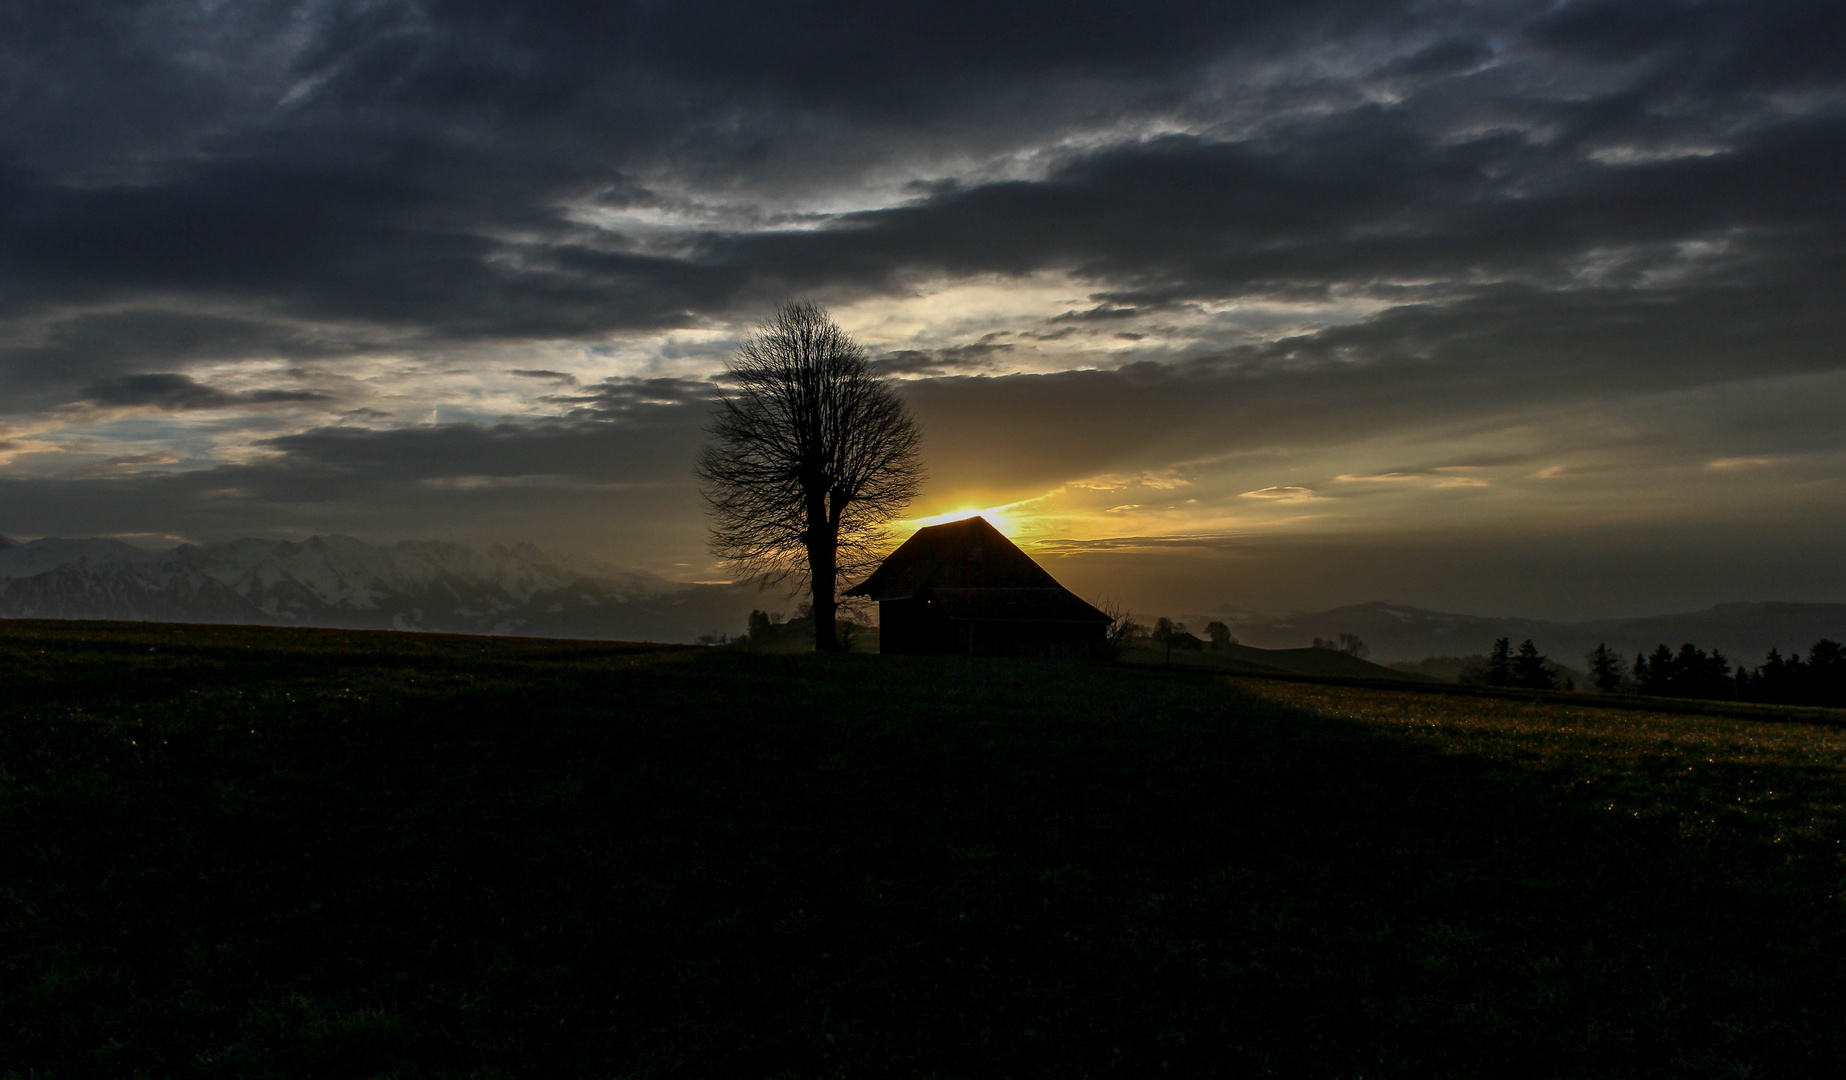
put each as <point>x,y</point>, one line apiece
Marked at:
<point>1185,642</point>
<point>963,588</point>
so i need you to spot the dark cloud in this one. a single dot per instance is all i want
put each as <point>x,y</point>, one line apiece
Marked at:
<point>102,348</point>
<point>1355,203</point>
<point>1101,312</point>
<point>619,431</point>
<point>637,400</point>
<point>1709,47</point>
<point>414,179</point>
<point>956,359</point>
<point>1480,212</point>
<point>824,55</point>
<point>404,163</point>
<point>160,391</point>
<point>171,391</point>
<point>1510,353</point>
<point>621,482</point>
<point>353,460</point>
<point>322,244</point>
<point>1607,30</point>
<point>1441,58</point>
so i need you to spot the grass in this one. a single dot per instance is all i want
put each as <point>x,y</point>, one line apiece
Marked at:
<point>241,852</point>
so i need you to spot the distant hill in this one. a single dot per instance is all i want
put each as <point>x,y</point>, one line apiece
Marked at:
<point>1320,662</point>
<point>337,581</point>
<point>1743,631</point>
<point>1247,660</point>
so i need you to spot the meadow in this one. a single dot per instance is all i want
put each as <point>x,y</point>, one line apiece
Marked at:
<point>233,852</point>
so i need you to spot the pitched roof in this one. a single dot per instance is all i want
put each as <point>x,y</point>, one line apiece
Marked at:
<point>977,573</point>
<point>966,554</point>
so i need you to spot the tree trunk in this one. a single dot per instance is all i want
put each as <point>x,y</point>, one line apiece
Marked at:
<point>821,563</point>
<point>823,570</point>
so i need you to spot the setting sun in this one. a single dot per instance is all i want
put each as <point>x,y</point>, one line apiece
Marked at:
<point>999,517</point>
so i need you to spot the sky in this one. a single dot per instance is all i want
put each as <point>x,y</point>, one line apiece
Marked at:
<point>1494,307</point>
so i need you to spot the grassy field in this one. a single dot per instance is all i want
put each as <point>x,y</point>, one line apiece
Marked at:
<point>239,852</point>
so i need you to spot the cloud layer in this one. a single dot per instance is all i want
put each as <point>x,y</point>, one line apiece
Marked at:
<point>1304,274</point>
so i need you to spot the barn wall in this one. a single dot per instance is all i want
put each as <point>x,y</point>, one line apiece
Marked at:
<point>1060,640</point>
<point>911,628</point>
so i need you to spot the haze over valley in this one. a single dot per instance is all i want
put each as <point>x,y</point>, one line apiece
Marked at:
<point>337,581</point>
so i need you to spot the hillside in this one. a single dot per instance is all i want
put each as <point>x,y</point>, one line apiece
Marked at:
<point>236,852</point>
<point>1319,662</point>
<point>1249,660</point>
<point>1743,631</point>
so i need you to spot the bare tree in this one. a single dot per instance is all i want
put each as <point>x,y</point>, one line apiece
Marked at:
<point>1165,630</point>
<point>1123,632</point>
<point>811,455</point>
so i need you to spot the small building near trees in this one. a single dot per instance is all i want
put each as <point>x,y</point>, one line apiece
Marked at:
<point>965,589</point>
<point>1183,641</point>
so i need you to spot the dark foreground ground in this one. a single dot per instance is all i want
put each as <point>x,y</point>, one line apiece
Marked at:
<point>236,852</point>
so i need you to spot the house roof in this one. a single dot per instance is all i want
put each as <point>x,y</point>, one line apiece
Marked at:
<point>966,554</point>
<point>976,573</point>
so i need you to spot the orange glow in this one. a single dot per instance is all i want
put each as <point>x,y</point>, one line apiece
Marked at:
<point>997,516</point>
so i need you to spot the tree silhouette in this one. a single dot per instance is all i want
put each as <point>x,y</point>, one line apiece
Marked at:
<point>1165,630</point>
<point>1500,663</point>
<point>1531,670</point>
<point>1780,680</point>
<point>1605,668</point>
<point>1692,672</point>
<point>811,455</point>
<point>1220,635</point>
<point>1653,673</point>
<point>1702,675</point>
<point>1123,633</point>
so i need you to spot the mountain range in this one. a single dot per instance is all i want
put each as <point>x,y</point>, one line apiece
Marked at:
<point>338,581</point>
<point>1745,632</point>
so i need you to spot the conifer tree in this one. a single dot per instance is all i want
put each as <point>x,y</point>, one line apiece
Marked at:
<point>1500,663</point>
<point>1531,670</point>
<point>1655,671</point>
<point>1605,669</point>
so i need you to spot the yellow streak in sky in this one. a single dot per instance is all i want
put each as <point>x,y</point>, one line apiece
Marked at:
<point>1004,518</point>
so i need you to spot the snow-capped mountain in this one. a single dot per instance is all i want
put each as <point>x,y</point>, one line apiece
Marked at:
<point>342,582</point>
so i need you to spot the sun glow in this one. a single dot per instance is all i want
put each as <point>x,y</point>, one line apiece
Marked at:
<point>997,516</point>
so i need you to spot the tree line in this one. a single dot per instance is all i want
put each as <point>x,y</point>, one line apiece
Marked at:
<point>1820,679</point>
<point>1525,668</point>
<point>1691,672</point>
